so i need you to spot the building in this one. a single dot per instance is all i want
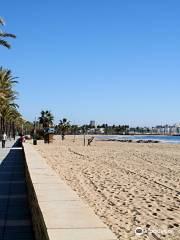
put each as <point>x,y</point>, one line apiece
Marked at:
<point>92,123</point>
<point>100,130</point>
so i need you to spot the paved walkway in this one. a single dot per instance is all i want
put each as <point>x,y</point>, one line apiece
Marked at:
<point>15,220</point>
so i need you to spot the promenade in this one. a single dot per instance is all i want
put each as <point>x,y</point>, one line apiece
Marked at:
<point>15,219</point>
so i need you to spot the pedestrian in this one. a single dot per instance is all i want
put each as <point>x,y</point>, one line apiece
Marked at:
<point>21,139</point>
<point>4,139</point>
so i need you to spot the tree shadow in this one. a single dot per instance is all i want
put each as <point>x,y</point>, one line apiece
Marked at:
<point>15,217</point>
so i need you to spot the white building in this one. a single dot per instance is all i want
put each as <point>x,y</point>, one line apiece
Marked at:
<point>100,130</point>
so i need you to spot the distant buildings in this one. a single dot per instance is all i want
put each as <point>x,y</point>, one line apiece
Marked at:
<point>159,130</point>
<point>170,130</point>
<point>124,130</point>
<point>92,124</point>
<point>162,130</point>
<point>100,131</point>
<point>96,131</point>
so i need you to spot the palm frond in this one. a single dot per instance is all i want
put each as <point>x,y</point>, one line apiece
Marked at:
<point>2,21</point>
<point>15,105</point>
<point>5,43</point>
<point>2,34</point>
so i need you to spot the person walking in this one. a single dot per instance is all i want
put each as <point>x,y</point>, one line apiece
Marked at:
<point>4,139</point>
<point>21,140</point>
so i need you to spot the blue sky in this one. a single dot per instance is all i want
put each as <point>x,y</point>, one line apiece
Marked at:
<point>113,61</point>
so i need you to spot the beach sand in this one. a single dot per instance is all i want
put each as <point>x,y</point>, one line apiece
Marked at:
<point>128,185</point>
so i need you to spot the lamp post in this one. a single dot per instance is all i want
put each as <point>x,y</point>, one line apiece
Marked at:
<point>34,135</point>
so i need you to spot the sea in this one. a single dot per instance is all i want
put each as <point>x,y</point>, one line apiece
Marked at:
<point>163,139</point>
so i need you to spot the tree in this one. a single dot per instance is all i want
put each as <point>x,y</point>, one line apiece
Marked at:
<point>74,130</point>
<point>7,82</point>
<point>28,128</point>
<point>4,35</point>
<point>8,108</point>
<point>46,119</point>
<point>64,126</point>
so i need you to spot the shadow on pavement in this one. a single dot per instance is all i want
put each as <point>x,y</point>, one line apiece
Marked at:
<point>15,218</point>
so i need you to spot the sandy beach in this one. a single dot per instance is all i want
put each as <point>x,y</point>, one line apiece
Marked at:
<point>128,185</point>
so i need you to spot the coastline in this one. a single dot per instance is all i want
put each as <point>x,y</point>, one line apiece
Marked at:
<point>128,185</point>
<point>141,138</point>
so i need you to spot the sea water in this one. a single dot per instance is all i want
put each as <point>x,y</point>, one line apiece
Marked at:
<point>164,138</point>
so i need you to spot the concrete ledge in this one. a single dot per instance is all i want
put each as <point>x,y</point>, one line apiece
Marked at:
<point>57,212</point>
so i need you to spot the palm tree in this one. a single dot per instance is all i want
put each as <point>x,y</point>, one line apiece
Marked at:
<point>7,82</point>
<point>74,130</point>
<point>64,126</point>
<point>7,97</point>
<point>4,35</point>
<point>13,121</point>
<point>28,128</point>
<point>46,119</point>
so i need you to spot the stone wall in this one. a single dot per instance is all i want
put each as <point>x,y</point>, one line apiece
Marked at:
<point>57,212</point>
<point>39,226</point>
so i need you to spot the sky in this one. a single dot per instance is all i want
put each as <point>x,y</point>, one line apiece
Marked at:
<point>115,62</point>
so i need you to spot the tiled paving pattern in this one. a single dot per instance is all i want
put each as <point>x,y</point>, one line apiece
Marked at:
<point>15,220</point>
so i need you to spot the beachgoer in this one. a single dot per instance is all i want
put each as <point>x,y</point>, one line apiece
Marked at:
<point>4,139</point>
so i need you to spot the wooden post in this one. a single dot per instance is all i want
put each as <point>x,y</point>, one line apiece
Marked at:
<point>84,138</point>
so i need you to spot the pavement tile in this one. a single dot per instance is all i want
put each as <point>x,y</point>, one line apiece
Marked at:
<point>81,234</point>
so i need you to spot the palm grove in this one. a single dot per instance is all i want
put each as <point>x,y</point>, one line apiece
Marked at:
<point>11,120</point>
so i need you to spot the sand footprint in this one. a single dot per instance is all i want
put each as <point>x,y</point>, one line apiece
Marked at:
<point>170,209</point>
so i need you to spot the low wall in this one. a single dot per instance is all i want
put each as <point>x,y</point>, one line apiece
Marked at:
<point>57,212</point>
